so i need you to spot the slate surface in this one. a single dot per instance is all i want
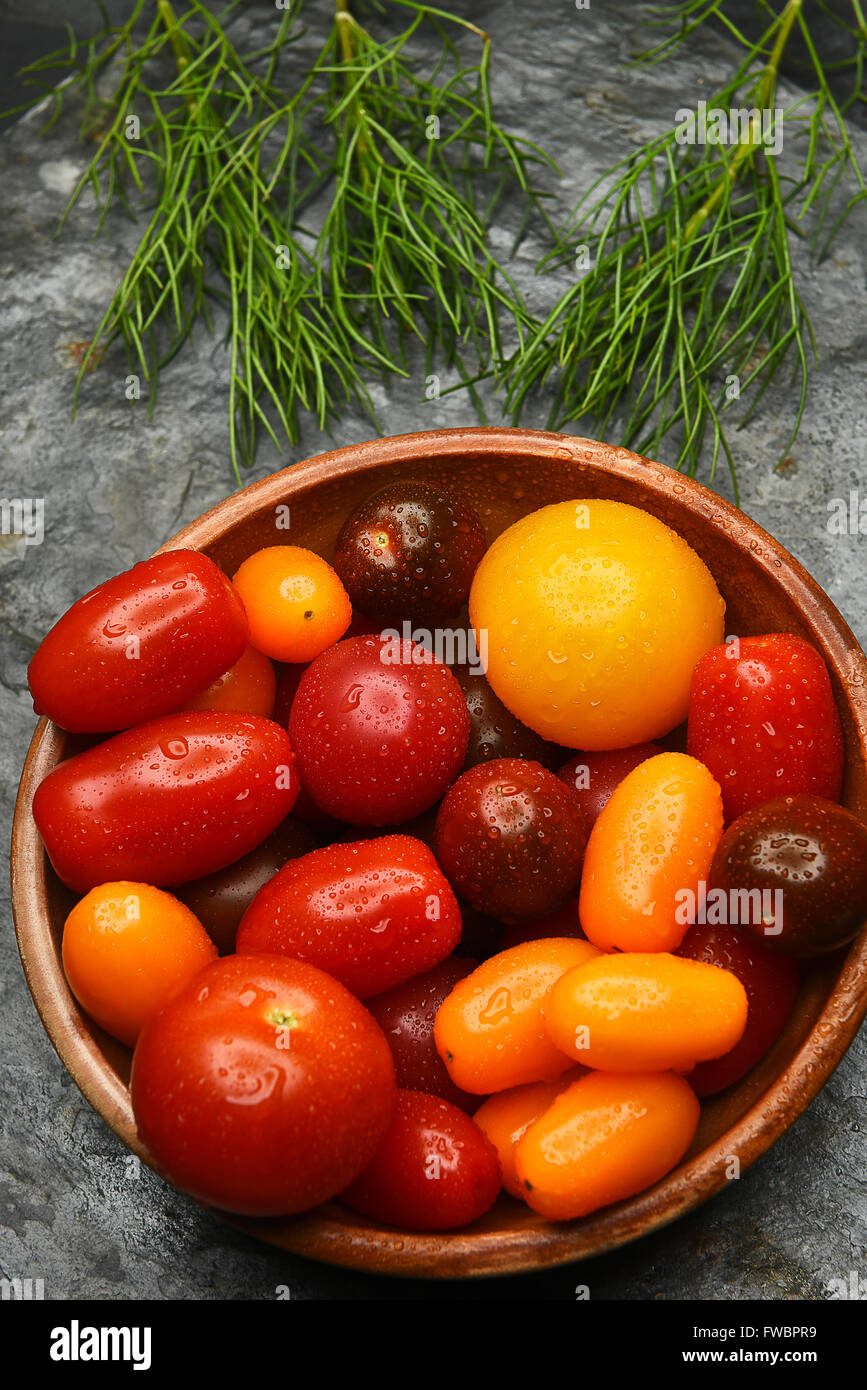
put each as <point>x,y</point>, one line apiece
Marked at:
<point>115,485</point>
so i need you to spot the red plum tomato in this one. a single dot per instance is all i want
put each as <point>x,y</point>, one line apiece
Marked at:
<point>139,645</point>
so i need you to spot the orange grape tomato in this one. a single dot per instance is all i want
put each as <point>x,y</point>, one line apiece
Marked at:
<point>127,950</point>
<point>295,603</point>
<point>506,1117</point>
<point>603,1139</point>
<point>654,1012</point>
<point>248,687</point>
<point>647,854</point>
<point>490,1031</point>
<point>594,614</point>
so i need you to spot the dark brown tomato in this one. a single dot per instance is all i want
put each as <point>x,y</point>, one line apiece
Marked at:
<point>220,900</point>
<point>593,776</point>
<point>494,730</point>
<point>406,1014</point>
<point>511,838</point>
<point>434,1170</point>
<point>808,856</point>
<point>409,552</point>
<point>563,922</point>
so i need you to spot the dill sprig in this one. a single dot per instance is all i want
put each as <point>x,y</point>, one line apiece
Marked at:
<point>227,154</point>
<point>690,301</point>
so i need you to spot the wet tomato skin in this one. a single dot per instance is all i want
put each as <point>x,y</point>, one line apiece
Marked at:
<point>762,718</point>
<point>139,645</point>
<point>494,730</point>
<point>434,1170</point>
<point>372,914</point>
<point>653,841</point>
<point>380,728</point>
<point>220,900</point>
<point>406,1015</point>
<point>771,983</point>
<point>511,838</point>
<point>409,552</point>
<point>169,801</point>
<point>263,1088</point>
<point>810,852</point>
<point>606,1137</point>
<point>592,777</point>
<point>506,1116</point>
<point>490,1031</point>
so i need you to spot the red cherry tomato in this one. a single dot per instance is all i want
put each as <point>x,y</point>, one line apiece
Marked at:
<point>762,718</point>
<point>169,801</point>
<point>406,1014</point>
<point>380,728</point>
<point>771,983</point>
<point>593,776</point>
<point>139,645</point>
<point>264,1087</point>
<point>433,1171</point>
<point>372,913</point>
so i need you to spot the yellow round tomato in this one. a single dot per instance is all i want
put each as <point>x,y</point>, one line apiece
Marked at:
<point>592,616</point>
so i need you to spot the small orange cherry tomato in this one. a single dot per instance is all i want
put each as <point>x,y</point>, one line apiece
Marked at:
<point>506,1117</point>
<point>128,949</point>
<point>605,1138</point>
<point>655,1012</point>
<point>490,1031</point>
<point>295,603</point>
<point>648,851</point>
<point>248,687</point>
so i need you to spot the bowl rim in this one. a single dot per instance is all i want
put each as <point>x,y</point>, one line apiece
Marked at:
<point>343,1239</point>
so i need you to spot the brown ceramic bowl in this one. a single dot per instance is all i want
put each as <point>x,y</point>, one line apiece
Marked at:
<point>506,473</point>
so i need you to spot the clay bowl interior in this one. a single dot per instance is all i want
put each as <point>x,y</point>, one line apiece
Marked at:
<point>505,473</point>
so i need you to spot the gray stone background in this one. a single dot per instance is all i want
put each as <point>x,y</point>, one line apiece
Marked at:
<point>116,484</point>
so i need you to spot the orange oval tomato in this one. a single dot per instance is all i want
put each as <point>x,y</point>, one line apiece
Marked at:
<point>649,850</point>
<point>656,1012</point>
<point>490,1031</point>
<point>594,614</point>
<point>127,950</point>
<point>605,1138</point>
<point>248,687</point>
<point>296,604</point>
<point>506,1117</point>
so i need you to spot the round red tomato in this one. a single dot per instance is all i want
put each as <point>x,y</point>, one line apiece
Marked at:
<point>380,728</point>
<point>433,1171</point>
<point>168,801</point>
<point>264,1087</point>
<point>139,645</point>
<point>372,913</point>
<point>771,983</point>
